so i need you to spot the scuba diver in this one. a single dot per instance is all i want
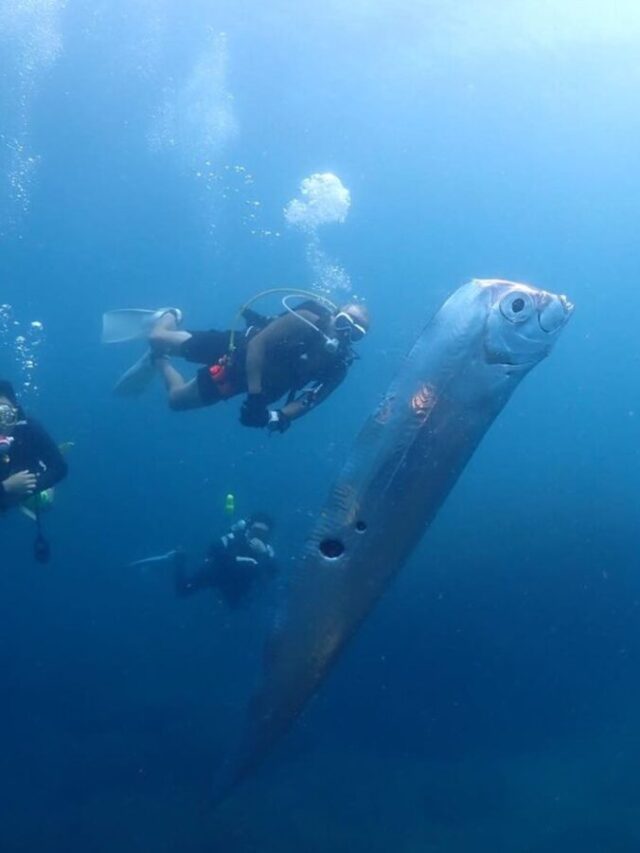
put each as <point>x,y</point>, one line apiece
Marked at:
<point>302,354</point>
<point>30,464</point>
<point>233,566</point>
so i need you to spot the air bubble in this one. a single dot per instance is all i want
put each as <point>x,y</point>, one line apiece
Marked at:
<point>21,348</point>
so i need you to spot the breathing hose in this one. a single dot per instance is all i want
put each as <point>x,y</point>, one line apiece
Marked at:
<point>288,291</point>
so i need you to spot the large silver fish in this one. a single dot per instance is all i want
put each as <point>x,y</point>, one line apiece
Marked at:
<point>454,382</point>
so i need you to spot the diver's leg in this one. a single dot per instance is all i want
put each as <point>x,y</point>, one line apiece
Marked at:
<point>165,338</point>
<point>201,579</point>
<point>180,580</point>
<point>182,395</point>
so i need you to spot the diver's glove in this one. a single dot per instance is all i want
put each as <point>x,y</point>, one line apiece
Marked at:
<point>278,421</point>
<point>253,412</point>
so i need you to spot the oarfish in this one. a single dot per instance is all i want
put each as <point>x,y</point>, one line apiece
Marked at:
<point>454,382</point>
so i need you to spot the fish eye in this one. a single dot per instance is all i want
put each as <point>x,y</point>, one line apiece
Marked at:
<point>516,306</point>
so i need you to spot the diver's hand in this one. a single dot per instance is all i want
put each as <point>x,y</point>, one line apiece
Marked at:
<point>257,546</point>
<point>20,485</point>
<point>278,421</point>
<point>253,412</point>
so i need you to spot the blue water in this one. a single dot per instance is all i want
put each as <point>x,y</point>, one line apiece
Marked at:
<point>491,702</point>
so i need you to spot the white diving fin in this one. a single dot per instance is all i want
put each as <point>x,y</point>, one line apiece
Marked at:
<point>137,378</point>
<point>130,324</point>
<point>169,558</point>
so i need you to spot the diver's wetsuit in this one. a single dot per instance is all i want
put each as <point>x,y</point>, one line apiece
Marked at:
<point>32,450</point>
<point>284,355</point>
<point>232,567</point>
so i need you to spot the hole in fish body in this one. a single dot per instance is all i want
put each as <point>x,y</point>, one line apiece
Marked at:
<point>332,548</point>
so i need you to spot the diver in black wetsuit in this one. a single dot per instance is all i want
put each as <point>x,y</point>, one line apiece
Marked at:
<point>301,355</point>
<point>234,564</point>
<point>30,461</point>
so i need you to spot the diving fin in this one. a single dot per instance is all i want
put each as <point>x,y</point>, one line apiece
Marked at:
<point>41,548</point>
<point>131,324</point>
<point>137,378</point>
<point>171,557</point>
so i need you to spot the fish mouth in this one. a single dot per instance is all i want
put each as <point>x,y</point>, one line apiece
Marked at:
<point>555,314</point>
<point>567,303</point>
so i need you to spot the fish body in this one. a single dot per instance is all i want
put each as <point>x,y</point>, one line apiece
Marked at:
<point>453,383</point>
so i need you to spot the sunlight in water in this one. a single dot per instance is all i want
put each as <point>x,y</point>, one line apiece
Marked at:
<point>30,44</point>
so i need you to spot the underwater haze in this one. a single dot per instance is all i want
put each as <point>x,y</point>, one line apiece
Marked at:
<point>194,153</point>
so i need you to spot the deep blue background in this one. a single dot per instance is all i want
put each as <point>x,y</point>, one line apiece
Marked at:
<point>491,702</point>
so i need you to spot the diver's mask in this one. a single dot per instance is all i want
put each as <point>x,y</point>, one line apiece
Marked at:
<point>344,324</point>
<point>9,416</point>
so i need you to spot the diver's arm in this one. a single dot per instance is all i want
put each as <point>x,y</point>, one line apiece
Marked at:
<point>46,451</point>
<point>16,488</point>
<point>202,579</point>
<point>312,398</point>
<point>284,329</point>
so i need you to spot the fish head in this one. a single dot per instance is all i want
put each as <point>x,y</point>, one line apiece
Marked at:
<point>523,322</point>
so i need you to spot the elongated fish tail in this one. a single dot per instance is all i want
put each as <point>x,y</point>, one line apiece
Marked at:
<point>229,775</point>
<point>225,781</point>
<point>242,759</point>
